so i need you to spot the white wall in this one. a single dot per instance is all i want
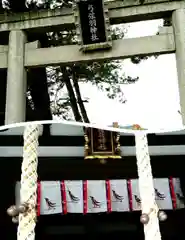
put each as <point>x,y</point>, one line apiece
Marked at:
<point>69,151</point>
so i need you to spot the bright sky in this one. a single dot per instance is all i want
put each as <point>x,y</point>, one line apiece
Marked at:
<point>152,102</point>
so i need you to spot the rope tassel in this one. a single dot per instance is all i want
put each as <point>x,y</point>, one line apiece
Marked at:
<point>149,207</point>
<point>28,192</point>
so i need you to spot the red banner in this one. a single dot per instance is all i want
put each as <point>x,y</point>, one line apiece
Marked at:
<point>94,196</point>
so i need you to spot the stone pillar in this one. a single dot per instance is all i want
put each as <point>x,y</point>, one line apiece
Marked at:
<point>16,79</point>
<point>178,21</point>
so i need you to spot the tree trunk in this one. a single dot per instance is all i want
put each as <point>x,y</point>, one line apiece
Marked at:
<point>79,98</point>
<point>72,97</point>
<point>38,85</point>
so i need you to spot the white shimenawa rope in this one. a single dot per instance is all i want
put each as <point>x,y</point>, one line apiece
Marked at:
<point>146,187</point>
<point>28,192</point>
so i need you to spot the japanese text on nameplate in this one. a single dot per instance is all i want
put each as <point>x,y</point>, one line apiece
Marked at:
<point>92,23</point>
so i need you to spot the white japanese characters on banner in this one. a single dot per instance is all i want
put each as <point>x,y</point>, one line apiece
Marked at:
<point>74,196</point>
<point>51,200</point>
<point>96,197</point>
<point>136,201</point>
<point>119,196</point>
<point>163,193</point>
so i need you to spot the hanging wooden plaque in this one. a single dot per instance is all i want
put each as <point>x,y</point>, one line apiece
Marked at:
<point>101,144</point>
<point>92,24</point>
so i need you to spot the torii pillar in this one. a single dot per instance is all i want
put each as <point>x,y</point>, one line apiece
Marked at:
<point>16,79</point>
<point>178,21</point>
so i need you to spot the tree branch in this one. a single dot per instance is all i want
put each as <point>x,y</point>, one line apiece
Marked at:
<point>78,94</point>
<point>71,93</point>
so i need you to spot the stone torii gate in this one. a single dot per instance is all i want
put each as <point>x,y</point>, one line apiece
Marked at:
<point>19,55</point>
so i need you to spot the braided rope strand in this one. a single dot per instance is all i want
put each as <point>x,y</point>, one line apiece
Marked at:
<point>146,187</point>
<point>28,192</point>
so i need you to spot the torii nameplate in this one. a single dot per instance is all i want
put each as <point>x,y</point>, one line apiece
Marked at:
<point>101,144</point>
<point>92,24</point>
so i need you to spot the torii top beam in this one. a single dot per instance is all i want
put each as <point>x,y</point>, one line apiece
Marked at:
<point>119,12</point>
